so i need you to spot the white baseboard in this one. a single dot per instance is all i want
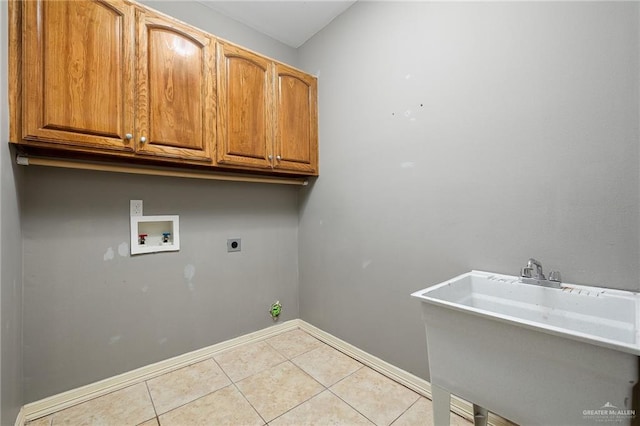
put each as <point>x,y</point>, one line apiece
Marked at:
<point>405,378</point>
<point>52,404</point>
<point>20,420</point>
<point>411,381</point>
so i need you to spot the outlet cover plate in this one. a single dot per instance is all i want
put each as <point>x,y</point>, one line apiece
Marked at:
<point>136,207</point>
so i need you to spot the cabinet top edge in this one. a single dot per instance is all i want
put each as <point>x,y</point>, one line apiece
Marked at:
<point>216,38</point>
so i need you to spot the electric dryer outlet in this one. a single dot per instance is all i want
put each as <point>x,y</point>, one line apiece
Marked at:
<point>234,244</point>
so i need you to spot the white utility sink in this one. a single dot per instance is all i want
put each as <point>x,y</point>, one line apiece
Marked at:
<point>533,354</point>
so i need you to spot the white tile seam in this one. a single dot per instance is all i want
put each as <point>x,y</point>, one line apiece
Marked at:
<point>352,407</point>
<point>234,384</point>
<point>153,404</point>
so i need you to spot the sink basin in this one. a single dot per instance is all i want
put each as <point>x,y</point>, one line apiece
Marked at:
<point>596,315</point>
<point>535,355</point>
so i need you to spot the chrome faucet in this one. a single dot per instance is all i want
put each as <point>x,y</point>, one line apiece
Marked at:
<point>533,274</point>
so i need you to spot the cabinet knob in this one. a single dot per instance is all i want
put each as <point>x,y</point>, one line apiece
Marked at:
<point>270,157</point>
<point>278,158</point>
<point>128,136</point>
<point>143,139</point>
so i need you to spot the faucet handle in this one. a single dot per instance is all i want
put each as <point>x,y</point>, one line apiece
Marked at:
<point>555,276</point>
<point>526,272</point>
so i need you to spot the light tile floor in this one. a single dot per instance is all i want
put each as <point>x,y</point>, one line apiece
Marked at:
<point>289,379</point>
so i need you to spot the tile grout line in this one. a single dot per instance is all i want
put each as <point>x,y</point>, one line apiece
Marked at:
<point>344,378</point>
<point>73,397</point>
<point>290,359</point>
<point>285,359</point>
<point>324,388</point>
<point>250,344</point>
<point>328,388</point>
<point>306,400</point>
<point>193,400</point>
<point>348,375</point>
<point>299,404</point>
<point>153,404</point>
<point>405,411</point>
<point>418,396</point>
<point>249,402</point>
<point>233,383</point>
<point>289,331</point>
<point>351,406</point>
<point>181,405</point>
<point>53,415</point>
<point>459,407</point>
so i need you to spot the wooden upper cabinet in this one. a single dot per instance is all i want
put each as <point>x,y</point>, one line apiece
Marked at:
<point>296,141</point>
<point>77,73</point>
<point>245,113</point>
<point>175,114</point>
<point>113,78</point>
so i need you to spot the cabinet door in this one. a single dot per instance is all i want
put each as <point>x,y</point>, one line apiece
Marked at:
<point>296,142</point>
<point>175,112</point>
<point>77,70</point>
<point>245,120</point>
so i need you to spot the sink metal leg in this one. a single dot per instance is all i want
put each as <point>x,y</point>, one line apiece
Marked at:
<point>480,415</point>
<point>441,405</point>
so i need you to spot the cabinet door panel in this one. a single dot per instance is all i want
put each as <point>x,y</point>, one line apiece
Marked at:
<point>78,84</point>
<point>296,110</point>
<point>176,107</point>
<point>245,126</point>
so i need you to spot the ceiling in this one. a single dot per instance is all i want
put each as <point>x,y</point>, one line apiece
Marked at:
<point>291,22</point>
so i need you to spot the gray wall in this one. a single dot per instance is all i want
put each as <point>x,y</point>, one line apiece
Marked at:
<point>207,19</point>
<point>91,313</point>
<point>10,255</point>
<point>459,136</point>
<point>453,136</point>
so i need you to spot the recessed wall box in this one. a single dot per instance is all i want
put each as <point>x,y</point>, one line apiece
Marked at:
<point>152,234</point>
